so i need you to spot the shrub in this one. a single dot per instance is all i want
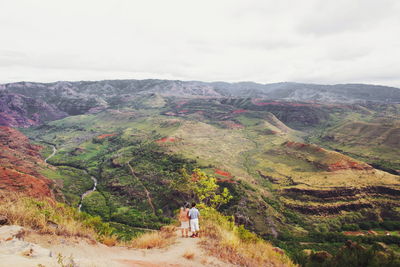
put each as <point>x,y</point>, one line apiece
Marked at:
<point>350,227</point>
<point>390,225</point>
<point>365,226</point>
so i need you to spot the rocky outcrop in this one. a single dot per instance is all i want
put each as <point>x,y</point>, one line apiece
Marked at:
<point>329,209</point>
<point>335,200</point>
<point>339,192</point>
<point>20,164</point>
<point>21,111</point>
<point>14,250</point>
<point>330,161</point>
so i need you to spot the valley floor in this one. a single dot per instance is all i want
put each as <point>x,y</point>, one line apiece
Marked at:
<point>78,252</point>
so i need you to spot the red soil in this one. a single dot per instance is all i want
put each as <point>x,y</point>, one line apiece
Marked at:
<point>223,173</point>
<point>183,111</point>
<point>354,233</point>
<point>19,161</point>
<point>228,176</point>
<point>239,111</point>
<point>346,164</point>
<point>105,135</point>
<point>371,232</point>
<point>343,162</point>
<point>232,125</point>
<point>166,139</point>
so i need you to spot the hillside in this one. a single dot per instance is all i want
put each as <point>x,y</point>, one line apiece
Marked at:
<point>306,165</point>
<point>73,98</point>
<point>22,111</point>
<point>21,164</point>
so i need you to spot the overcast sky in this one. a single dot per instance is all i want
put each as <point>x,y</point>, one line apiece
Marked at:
<point>340,41</point>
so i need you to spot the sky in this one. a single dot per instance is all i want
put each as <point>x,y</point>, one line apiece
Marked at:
<point>315,41</point>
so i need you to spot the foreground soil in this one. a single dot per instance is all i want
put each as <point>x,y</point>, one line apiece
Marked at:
<point>21,247</point>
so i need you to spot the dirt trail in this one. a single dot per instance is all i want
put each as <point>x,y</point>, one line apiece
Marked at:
<point>84,254</point>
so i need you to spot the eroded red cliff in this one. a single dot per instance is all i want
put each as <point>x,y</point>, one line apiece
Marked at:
<point>20,162</point>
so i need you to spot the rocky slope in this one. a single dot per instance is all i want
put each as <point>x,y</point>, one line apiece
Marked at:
<point>20,163</point>
<point>21,111</point>
<point>25,104</point>
<point>343,93</point>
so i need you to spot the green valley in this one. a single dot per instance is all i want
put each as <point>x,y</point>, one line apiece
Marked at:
<point>306,175</point>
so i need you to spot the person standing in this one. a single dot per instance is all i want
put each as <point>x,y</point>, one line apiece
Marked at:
<point>194,216</point>
<point>184,219</point>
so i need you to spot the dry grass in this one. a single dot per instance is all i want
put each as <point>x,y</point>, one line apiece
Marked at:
<point>46,216</point>
<point>110,241</point>
<point>188,255</point>
<point>160,239</point>
<point>236,245</point>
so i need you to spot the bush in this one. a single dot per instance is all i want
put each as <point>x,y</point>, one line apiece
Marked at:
<point>365,226</point>
<point>350,227</point>
<point>95,204</point>
<point>390,225</point>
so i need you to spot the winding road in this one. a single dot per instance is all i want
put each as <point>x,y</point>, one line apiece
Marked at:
<point>91,177</point>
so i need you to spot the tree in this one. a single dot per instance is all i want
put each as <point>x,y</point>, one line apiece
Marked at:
<point>201,188</point>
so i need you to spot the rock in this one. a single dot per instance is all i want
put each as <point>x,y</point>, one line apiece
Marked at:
<point>23,248</point>
<point>52,225</point>
<point>3,220</point>
<point>9,232</point>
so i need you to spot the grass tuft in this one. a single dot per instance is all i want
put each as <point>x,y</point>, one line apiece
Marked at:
<point>234,244</point>
<point>46,216</point>
<point>152,240</point>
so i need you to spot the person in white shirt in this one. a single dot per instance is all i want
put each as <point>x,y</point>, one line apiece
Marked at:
<point>194,216</point>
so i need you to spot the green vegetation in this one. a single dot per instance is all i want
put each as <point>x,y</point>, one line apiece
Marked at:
<point>154,154</point>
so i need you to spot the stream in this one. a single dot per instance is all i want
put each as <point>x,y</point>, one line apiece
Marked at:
<point>88,192</point>
<point>52,154</point>
<point>91,177</point>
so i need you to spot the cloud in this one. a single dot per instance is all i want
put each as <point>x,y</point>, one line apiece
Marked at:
<point>263,41</point>
<point>330,17</point>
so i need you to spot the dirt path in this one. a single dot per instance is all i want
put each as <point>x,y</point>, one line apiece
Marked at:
<point>82,253</point>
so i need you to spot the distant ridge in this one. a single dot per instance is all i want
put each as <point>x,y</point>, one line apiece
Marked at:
<point>291,91</point>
